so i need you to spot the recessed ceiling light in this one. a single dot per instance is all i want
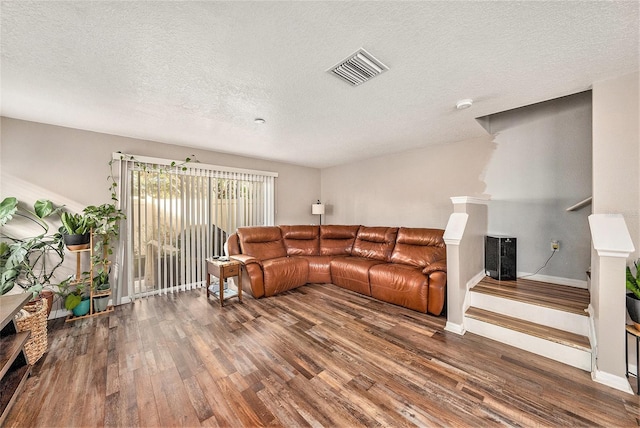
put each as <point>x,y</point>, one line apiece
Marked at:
<point>463,104</point>
<point>259,120</point>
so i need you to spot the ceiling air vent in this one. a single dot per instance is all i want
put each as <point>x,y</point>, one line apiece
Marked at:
<point>358,68</point>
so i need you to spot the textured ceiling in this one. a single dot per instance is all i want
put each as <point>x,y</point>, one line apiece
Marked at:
<point>198,73</point>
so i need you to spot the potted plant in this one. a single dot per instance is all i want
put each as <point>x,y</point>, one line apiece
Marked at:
<point>75,296</point>
<point>76,230</point>
<point>29,262</point>
<point>633,297</point>
<point>100,284</point>
<point>105,220</point>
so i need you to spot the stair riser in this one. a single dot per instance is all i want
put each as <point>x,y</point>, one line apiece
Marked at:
<point>566,321</point>
<point>579,358</point>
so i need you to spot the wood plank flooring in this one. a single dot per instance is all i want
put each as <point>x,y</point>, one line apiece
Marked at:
<point>314,356</point>
<point>543,332</point>
<point>569,299</point>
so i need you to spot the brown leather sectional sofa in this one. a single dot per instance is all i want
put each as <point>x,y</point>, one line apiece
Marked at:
<point>404,266</point>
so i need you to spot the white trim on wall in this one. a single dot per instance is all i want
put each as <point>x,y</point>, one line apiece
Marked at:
<point>469,200</point>
<point>555,280</point>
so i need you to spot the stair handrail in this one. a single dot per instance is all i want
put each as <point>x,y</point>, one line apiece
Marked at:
<point>581,204</point>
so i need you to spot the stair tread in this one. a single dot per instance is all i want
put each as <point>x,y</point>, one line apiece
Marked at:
<point>548,333</point>
<point>561,297</point>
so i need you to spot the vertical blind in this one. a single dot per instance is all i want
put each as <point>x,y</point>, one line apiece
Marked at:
<point>178,215</point>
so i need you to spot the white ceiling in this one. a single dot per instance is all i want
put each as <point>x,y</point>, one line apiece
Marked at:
<point>198,73</point>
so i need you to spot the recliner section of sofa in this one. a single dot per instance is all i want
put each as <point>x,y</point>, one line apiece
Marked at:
<point>403,266</point>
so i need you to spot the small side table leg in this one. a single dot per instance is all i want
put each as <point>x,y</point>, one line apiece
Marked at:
<point>208,284</point>
<point>221,289</point>
<point>240,285</point>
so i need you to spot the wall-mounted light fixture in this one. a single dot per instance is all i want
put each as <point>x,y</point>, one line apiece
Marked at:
<point>317,209</point>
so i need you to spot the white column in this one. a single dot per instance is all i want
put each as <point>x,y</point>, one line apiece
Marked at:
<point>611,246</point>
<point>464,237</point>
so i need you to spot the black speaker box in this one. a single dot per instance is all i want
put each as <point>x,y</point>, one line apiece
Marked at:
<point>500,257</point>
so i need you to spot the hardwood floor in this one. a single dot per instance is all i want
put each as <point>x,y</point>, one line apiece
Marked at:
<point>561,297</point>
<point>315,356</point>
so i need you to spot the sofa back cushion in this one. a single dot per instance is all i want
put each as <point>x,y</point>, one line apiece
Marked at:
<point>419,247</point>
<point>375,242</point>
<point>337,240</point>
<point>301,240</point>
<point>262,242</point>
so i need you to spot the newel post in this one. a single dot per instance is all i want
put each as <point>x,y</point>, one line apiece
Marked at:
<point>464,236</point>
<point>612,246</point>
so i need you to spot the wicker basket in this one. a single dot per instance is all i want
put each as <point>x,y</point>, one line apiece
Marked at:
<point>36,321</point>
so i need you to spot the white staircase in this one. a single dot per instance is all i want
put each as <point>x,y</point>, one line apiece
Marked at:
<point>545,319</point>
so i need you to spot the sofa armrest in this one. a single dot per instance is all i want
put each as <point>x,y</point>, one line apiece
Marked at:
<point>245,259</point>
<point>438,265</point>
<point>437,273</point>
<point>252,273</point>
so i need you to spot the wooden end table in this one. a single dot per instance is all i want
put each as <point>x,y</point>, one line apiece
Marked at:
<point>223,269</point>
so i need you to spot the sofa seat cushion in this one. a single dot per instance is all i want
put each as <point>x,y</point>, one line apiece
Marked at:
<point>319,269</point>
<point>352,273</point>
<point>284,273</point>
<point>400,284</point>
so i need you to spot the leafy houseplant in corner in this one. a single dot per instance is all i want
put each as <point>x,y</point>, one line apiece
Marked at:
<point>75,297</point>
<point>30,262</point>
<point>75,230</point>
<point>100,285</point>
<point>633,298</point>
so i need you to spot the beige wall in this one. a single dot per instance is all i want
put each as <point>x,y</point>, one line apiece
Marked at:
<point>70,166</point>
<point>616,151</point>
<point>537,163</point>
<point>410,189</point>
<point>616,189</point>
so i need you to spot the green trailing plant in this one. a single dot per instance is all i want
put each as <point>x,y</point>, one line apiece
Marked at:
<point>29,262</point>
<point>105,219</point>
<point>142,166</point>
<point>633,280</point>
<point>75,224</point>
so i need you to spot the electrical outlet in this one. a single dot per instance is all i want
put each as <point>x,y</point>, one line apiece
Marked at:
<point>555,245</point>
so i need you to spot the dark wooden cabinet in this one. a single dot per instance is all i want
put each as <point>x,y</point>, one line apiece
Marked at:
<point>14,366</point>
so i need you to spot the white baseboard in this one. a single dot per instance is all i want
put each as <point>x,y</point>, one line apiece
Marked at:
<point>58,313</point>
<point>555,280</point>
<point>476,279</point>
<point>454,328</point>
<point>618,382</point>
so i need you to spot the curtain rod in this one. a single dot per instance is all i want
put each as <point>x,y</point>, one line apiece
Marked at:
<point>168,162</point>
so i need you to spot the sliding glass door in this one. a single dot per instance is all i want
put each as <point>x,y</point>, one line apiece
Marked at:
<point>177,217</point>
